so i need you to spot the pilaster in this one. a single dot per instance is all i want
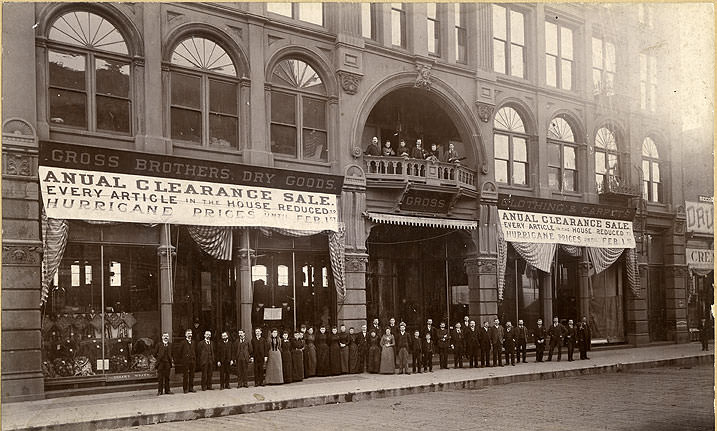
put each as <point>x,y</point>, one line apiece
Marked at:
<point>166,253</point>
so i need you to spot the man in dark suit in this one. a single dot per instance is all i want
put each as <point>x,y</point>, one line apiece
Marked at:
<point>418,152</point>
<point>164,364</point>
<point>443,343</point>
<point>556,333</point>
<point>394,329</point>
<point>472,345</point>
<point>402,346</point>
<point>587,336</point>
<point>484,339</point>
<point>458,343</point>
<point>496,334</point>
<point>225,360</point>
<point>509,343</point>
<point>205,354</point>
<point>539,337</point>
<point>570,336</point>
<point>242,357</point>
<point>429,328</point>
<point>521,341</point>
<point>188,356</point>
<point>260,352</point>
<point>362,347</point>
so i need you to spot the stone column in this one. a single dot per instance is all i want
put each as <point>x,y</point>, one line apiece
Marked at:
<point>546,297</point>
<point>583,288</point>
<point>243,255</point>
<point>486,259</point>
<point>636,325</point>
<point>352,311</point>
<point>166,254</point>
<point>258,147</point>
<point>676,274</point>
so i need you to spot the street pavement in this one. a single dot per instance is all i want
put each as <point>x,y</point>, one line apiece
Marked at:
<point>655,399</point>
<point>123,409</point>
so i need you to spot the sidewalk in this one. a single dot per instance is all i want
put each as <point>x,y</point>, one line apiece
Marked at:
<point>114,410</point>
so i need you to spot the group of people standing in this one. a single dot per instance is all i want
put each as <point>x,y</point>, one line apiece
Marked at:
<point>415,152</point>
<point>305,353</point>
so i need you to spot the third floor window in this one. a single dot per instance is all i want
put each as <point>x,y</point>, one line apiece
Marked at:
<point>398,25</point>
<point>461,32</point>
<point>558,56</point>
<point>562,156</point>
<point>308,12</point>
<point>604,65</point>
<point>434,29</point>
<point>508,41</point>
<point>648,82</point>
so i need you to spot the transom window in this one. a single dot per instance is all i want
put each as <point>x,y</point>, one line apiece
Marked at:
<point>606,159</point>
<point>204,94</point>
<point>562,163</point>
<point>510,147</point>
<point>508,41</point>
<point>558,56</point>
<point>308,12</point>
<point>298,111</point>
<point>434,29</point>
<point>651,181</point>
<point>89,83</point>
<point>604,65</point>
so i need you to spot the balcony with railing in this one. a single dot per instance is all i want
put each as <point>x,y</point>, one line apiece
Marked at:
<point>613,186</point>
<point>416,171</point>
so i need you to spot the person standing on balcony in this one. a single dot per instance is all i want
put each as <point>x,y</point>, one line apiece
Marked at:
<point>373,149</point>
<point>433,154</point>
<point>387,150</point>
<point>418,152</point>
<point>452,155</point>
<point>403,149</point>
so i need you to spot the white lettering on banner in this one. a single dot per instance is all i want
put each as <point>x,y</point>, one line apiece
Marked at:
<point>520,226</point>
<point>700,217</point>
<point>700,258</point>
<point>90,195</point>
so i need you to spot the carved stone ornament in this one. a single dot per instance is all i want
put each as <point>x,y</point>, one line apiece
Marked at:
<point>349,81</point>
<point>423,80</point>
<point>356,152</point>
<point>485,111</point>
<point>21,255</point>
<point>486,266</point>
<point>356,263</point>
<point>18,164</point>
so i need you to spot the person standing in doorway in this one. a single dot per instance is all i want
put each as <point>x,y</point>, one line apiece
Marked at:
<point>188,356</point>
<point>205,352</point>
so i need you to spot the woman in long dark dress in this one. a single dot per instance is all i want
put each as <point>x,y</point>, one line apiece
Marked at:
<point>334,352</point>
<point>322,353</point>
<point>297,357</point>
<point>286,366</point>
<point>374,352</point>
<point>353,353</point>
<point>309,353</point>
<point>274,373</point>
<point>388,358</point>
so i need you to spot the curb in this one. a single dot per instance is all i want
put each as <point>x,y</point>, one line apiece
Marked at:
<point>347,397</point>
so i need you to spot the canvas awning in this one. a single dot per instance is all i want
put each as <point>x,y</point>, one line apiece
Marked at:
<point>408,220</point>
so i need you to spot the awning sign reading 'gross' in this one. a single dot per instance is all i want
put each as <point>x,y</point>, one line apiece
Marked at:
<point>114,185</point>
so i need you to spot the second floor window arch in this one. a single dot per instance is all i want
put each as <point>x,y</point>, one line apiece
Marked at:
<point>607,159</point>
<point>89,74</point>
<point>510,147</point>
<point>299,117</point>
<point>651,175</point>
<point>204,94</point>
<point>562,156</point>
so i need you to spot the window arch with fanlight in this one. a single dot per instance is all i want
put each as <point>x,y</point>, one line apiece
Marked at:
<point>510,147</point>
<point>89,74</point>
<point>204,94</point>
<point>607,159</point>
<point>562,156</point>
<point>651,177</point>
<point>298,111</point>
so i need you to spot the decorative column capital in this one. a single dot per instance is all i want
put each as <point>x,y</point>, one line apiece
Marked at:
<point>485,111</point>
<point>356,262</point>
<point>349,81</point>
<point>423,78</point>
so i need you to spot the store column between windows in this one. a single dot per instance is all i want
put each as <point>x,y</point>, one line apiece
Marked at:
<point>166,253</point>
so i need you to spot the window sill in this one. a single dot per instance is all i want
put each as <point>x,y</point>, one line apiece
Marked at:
<point>81,132</point>
<point>285,159</point>
<point>507,186</point>
<point>190,146</point>
<point>567,194</point>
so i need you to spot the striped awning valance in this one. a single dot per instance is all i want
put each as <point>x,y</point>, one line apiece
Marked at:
<point>407,220</point>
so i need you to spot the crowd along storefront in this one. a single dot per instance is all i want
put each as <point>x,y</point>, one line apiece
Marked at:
<point>138,244</point>
<point>566,259</point>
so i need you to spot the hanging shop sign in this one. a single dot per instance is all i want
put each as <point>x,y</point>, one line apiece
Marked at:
<point>700,258</point>
<point>90,183</point>
<point>700,217</point>
<point>426,201</point>
<point>533,220</point>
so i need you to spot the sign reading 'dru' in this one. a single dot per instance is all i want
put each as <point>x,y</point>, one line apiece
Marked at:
<point>546,221</point>
<point>97,184</point>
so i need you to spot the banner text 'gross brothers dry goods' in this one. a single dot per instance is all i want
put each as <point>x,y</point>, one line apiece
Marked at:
<point>89,183</point>
<point>524,219</point>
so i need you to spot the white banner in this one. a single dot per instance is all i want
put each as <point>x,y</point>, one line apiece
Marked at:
<point>700,217</point>
<point>520,226</point>
<point>700,258</point>
<point>92,195</point>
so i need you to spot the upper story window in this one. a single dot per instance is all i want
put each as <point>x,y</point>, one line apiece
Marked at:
<point>204,94</point>
<point>606,158</point>
<point>510,149</point>
<point>461,32</point>
<point>298,111</point>
<point>648,82</point>
<point>398,25</point>
<point>604,65</point>
<point>308,12</point>
<point>651,181</point>
<point>368,20</point>
<point>562,160</point>
<point>434,29</point>
<point>558,56</point>
<point>508,41</point>
<point>89,85</point>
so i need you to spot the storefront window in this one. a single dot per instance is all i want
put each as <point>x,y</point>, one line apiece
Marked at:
<point>84,337</point>
<point>606,311</point>
<point>521,295</point>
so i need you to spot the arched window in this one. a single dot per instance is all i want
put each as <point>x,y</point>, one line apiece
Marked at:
<point>204,94</point>
<point>562,161</point>
<point>298,111</point>
<point>606,159</point>
<point>89,83</point>
<point>651,181</point>
<point>510,149</point>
